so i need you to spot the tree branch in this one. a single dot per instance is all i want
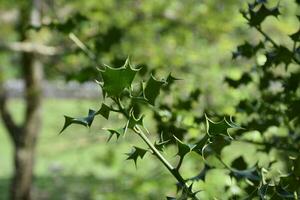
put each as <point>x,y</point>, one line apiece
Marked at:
<point>29,47</point>
<point>7,119</point>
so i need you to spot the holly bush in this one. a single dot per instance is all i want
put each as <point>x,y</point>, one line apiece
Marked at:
<point>269,121</point>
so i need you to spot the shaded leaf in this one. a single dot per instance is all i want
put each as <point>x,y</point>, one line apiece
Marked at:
<point>221,127</point>
<point>183,148</point>
<point>113,132</point>
<point>104,111</point>
<point>152,89</point>
<point>279,55</point>
<point>86,121</point>
<point>135,153</point>
<point>257,17</point>
<point>247,50</point>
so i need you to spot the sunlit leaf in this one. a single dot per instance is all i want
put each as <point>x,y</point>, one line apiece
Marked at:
<point>115,80</point>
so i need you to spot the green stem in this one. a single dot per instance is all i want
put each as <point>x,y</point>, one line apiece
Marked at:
<point>172,170</point>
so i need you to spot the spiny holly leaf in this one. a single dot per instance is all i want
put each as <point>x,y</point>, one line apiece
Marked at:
<point>115,80</point>
<point>217,143</point>
<point>257,17</point>
<point>169,81</point>
<point>183,148</point>
<point>104,111</point>
<point>113,132</point>
<point>201,144</point>
<point>247,50</point>
<point>221,127</point>
<point>135,153</point>
<point>132,121</point>
<point>86,121</point>
<point>152,89</point>
<point>295,36</point>
<point>279,55</point>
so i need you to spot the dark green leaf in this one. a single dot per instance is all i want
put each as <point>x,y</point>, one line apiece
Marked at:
<point>169,81</point>
<point>247,50</point>
<point>152,89</point>
<point>113,132</point>
<point>135,153</point>
<point>279,55</point>
<point>115,80</point>
<point>86,121</point>
<point>221,127</point>
<point>183,148</point>
<point>104,111</point>
<point>257,17</point>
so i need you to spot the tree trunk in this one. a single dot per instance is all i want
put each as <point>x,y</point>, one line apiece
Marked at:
<point>22,180</point>
<point>25,138</point>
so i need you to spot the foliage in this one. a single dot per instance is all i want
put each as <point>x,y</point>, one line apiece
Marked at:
<point>274,179</point>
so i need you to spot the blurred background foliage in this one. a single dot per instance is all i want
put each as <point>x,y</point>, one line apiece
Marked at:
<point>192,39</point>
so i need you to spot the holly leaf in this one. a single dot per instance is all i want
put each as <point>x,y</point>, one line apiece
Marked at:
<point>115,80</point>
<point>85,121</point>
<point>169,81</point>
<point>183,148</point>
<point>152,89</point>
<point>247,50</point>
<point>221,127</point>
<point>104,111</point>
<point>279,55</point>
<point>135,153</point>
<point>113,132</point>
<point>257,17</point>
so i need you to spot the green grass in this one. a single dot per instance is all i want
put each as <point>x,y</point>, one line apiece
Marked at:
<point>80,164</point>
